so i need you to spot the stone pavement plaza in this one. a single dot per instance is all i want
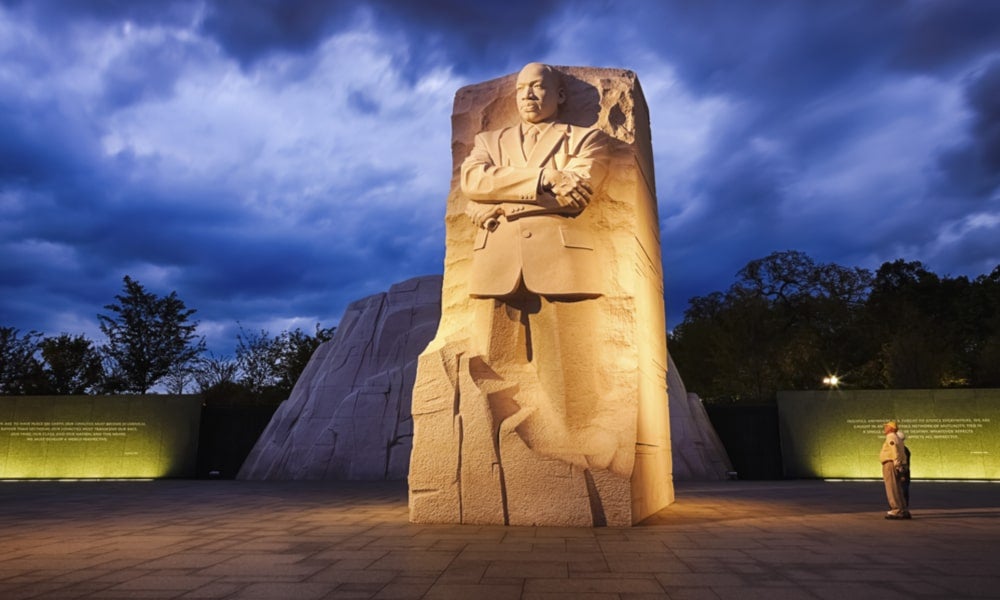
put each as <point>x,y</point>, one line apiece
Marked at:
<point>306,540</point>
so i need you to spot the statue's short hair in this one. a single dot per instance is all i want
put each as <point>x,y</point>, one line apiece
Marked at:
<point>550,70</point>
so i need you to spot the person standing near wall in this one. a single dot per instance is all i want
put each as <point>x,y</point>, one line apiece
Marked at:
<point>904,475</point>
<point>894,465</point>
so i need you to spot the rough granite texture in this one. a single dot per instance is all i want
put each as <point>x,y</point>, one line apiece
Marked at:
<point>348,416</point>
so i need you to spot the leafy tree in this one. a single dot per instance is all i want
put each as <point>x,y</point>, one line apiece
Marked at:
<point>783,324</point>
<point>297,348</point>
<point>148,337</point>
<point>71,365</point>
<point>257,355</point>
<point>819,309</point>
<point>214,371</point>
<point>726,347</point>
<point>216,379</point>
<point>20,369</point>
<point>983,342</point>
<point>179,378</point>
<point>917,318</point>
<point>787,320</point>
<point>271,365</point>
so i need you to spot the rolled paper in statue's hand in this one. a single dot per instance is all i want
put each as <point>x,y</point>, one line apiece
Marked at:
<point>491,224</point>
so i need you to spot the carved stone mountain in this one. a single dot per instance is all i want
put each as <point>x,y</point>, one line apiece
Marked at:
<point>348,416</point>
<point>698,452</point>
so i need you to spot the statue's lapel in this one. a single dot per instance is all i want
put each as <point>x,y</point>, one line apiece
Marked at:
<point>547,144</point>
<point>510,144</point>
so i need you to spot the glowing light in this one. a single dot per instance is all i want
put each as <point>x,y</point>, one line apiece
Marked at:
<point>831,381</point>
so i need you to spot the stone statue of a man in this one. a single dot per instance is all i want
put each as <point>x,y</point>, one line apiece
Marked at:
<point>525,185</point>
<point>541,398</point>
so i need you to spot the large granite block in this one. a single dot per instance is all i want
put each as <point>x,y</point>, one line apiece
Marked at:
<point>542,398</point>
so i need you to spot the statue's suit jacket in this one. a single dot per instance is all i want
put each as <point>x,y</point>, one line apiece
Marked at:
<point>536,241</point>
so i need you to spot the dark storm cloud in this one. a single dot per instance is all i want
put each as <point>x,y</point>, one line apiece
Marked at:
<point>469,36</point>
<point>59,16</point>
<point>28,154</point>
<point>251,30</point>
<point>975,165</point>
<point>943,35</point>
<point>474,37</point>
<point>774,50</point>
<point>147,73</point>
<point>984,99</point>
<point>785,50</point>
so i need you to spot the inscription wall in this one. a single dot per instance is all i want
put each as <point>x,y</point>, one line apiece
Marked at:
<point>92,437</point>
<point>952,434</point>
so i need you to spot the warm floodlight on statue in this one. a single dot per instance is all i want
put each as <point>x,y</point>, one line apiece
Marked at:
<point>541,399</point>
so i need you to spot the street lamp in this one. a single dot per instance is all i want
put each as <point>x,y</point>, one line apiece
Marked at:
<point>831,381</point>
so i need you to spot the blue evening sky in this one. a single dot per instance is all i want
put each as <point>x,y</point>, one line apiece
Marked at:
<point>271,161</point>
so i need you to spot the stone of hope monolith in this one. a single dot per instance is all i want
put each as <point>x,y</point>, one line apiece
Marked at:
<point>542,398</point>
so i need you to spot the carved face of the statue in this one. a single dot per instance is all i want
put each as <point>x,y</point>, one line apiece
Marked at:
<point>539,93</point>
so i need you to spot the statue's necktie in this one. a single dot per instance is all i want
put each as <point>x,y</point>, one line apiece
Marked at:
<point>530,139</point>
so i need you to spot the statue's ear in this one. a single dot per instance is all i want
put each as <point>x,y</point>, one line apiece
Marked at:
<point>562,94</point>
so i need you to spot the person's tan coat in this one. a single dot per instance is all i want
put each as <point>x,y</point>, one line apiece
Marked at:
<point>892,450</point>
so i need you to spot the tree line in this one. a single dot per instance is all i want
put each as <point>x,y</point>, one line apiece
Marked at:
<point>784,324</point>
<point>788,322</point>
<point>152,341</point>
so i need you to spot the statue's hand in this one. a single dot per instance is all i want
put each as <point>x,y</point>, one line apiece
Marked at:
<point>483,215</point>
<point>569,188</point>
